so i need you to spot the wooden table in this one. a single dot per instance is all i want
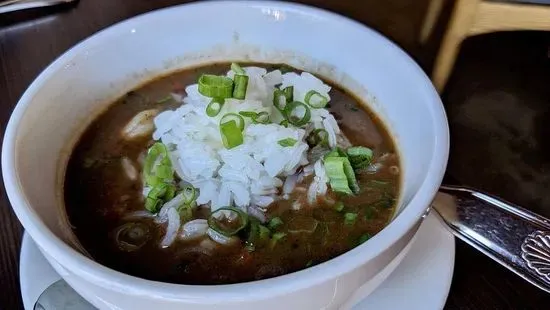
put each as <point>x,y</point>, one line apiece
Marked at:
<point>29,41</point>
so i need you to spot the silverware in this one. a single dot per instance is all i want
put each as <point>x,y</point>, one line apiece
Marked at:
<point>60,295</point>
<point>15,5</point>
<point>514,237</point>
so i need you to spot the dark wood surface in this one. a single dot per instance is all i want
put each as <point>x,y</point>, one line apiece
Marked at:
<point>498,79</point>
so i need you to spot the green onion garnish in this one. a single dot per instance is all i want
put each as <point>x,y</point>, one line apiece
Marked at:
<point>189,194</point>
<point>274,223</point>
<point>237,69</point>
<point>315,100</point>
<point>157,167</point>
<point>186,212</point>
<point>276,237</point>
<point>289,93</point>
<point>241,82</point>
<point>215,86</point>
<point>297,113</point>
<point>228,226</point>
<point>318,137</point>
<point>159,193</point>
<point>339,206</point>
<point>239,120</point>
<point>359,156</point>
<point>257,117</point>
<point>349,218</point>
<point>153,205</point>
<point>232,135</point>
<point>263,232</point>
<point>336,152</point>
<point>284,123</point>
<point>364,238</point>
<point>288,142</point>
<point>261,118</point>
<point>341,175</point>
<point>250,114</point>
<point>214,107</point>
<point>279,99</point>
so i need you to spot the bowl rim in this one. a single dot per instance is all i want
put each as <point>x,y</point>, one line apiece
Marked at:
<point>101,275</point>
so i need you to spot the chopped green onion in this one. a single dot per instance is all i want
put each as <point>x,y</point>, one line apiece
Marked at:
<point>369,212</point>
<point>349,218</point>
<point>250,114</point>
<point>170,192</point>
<point>339,206</point>
<point>318,137</point>
<point>289,93</point>
<point>284,123</point>
<point>276,237</point>
<point>157,191</point>
<point>232,135</point>
<point>165,99</point>
<point>258,234</point>
<point>228,226</point>
<point>386,201</point>
<point>157,167</point>
<point>261,118</point>
<point>315,100</point>
<point>288,142</point>
<point>257,117</point>
<point>215,86</point>
<point>250,247</point>
<point>264,232</point>
<point>364,238</point>
<point>214,107</point>
<point>359,156</point>
<point>297,113</point>
<point>239,120</point>
<point>274,223</point>
<point>164,171</point>
<point>279,99</point>
<point>237,69</point>
<point>241,83</point>
<point>341,175</point>
<point>153,205</point>
<point>189,194</point>
<point>336,152</point>
<point>186,212</point>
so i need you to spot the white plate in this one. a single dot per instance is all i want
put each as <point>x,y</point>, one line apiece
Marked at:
<point>427,267</point>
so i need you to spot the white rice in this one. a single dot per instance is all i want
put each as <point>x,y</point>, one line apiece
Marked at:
<point>254,172</point>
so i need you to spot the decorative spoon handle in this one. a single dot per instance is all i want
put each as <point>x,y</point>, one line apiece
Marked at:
<point>514,237</point>
<point>16,5</point>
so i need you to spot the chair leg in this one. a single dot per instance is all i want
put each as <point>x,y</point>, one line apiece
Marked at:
<point>461,21</point>
<point>432,15</point>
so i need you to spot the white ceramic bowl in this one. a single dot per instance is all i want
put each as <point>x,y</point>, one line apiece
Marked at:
<point>64,99</point>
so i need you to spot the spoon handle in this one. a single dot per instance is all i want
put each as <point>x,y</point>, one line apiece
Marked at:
<point>16,5</point>
<point>513,236</point>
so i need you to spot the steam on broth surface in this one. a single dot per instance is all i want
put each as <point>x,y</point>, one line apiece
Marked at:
<point>255,172</point>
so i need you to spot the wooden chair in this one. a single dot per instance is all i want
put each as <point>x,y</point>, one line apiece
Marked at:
<point>473,17</point>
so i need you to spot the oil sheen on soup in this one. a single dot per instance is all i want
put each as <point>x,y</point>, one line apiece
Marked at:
<point>230,173</point>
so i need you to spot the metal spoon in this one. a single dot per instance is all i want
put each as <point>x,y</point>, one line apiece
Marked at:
<point>15,5</point>
<point>60,296</point>
<point>514,237</point>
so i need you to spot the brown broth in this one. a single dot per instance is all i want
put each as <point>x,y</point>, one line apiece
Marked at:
<point>98,195</point>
